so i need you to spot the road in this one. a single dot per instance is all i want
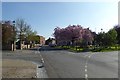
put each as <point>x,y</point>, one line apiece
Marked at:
<point>65,64</point>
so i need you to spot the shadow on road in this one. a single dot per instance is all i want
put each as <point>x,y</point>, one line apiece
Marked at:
<point>33,49</point>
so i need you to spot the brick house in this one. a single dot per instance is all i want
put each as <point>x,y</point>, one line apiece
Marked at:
<point>42,40</point>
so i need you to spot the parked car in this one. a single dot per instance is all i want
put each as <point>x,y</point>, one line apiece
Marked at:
<point>52,45</point>
<point>40,45</point>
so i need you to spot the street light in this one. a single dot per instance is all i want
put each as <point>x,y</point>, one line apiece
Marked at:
<point>13,41</point>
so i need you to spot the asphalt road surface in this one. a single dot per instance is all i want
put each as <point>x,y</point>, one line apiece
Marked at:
<point>65,64</point>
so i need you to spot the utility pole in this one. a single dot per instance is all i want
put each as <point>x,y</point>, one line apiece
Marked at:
<point>14,35</point>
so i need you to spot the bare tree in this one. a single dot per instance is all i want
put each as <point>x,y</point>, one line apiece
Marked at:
<point>24,32</point>
<point>22,28</point>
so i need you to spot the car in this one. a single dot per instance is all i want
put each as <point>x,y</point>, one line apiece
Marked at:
<point>52,45</point>
<point>40,45</point>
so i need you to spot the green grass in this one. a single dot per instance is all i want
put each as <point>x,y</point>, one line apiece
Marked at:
<point>97,49</point>
<point>106,49</point>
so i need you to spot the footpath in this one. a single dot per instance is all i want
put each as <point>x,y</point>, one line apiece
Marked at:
<point>18,68</point>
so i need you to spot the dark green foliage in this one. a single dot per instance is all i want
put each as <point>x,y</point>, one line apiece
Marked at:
<point>117,28</point>
<point>106,39</point>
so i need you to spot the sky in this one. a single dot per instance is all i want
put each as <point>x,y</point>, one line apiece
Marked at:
<point>45,16</point>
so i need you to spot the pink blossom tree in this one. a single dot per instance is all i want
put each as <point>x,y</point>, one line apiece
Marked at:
<point>73,34</point>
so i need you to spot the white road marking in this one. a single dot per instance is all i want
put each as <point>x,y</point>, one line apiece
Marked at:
<point>89,56</point>
<point>85,66</point>
<point>41,57</point>
<point>43,61</point>
<point>86,76</point>
<point>41,72</point>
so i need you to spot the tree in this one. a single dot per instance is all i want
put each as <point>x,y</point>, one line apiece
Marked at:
<point>25,32</point>
<point>87,37</point>
<point>94,38</point>
<point>8,33</point>
<point>37,39</point>
<point>106,39</point>
<point>100,38</point>
<point>117,28</point>
<point>21,28</point>
<point>112,36</point>
<point>73,34</point>
<point>32,36</point>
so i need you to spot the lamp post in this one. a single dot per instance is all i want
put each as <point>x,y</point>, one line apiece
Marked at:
<point>13,44</point>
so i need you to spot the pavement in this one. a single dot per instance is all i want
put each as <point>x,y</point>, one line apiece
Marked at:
<point>21,63</point>
<point>18,69</point>
<point>65,64</point>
